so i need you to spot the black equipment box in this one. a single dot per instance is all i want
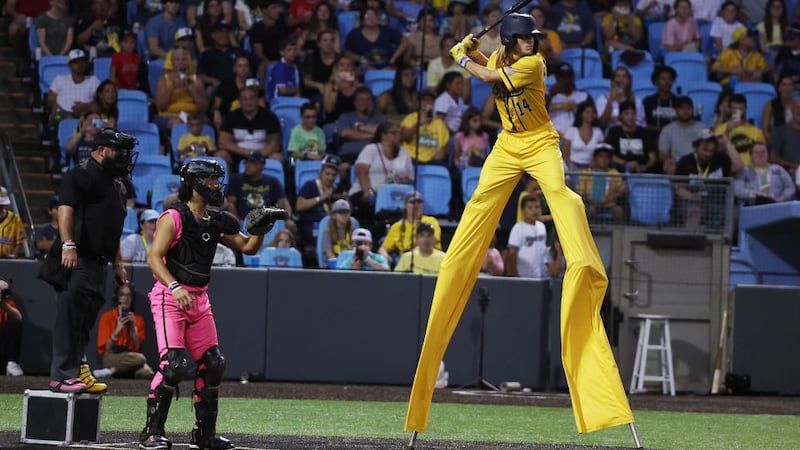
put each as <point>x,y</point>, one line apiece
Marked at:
<point>59,418</point>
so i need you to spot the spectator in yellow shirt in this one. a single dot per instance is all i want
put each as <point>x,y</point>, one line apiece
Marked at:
<point>400,237</point>
<point>433,133</point>
<point>12,230</point>
<point>195,143</point>
<point>425,258</point>
<point>741,133</point>
<point>741,59</point>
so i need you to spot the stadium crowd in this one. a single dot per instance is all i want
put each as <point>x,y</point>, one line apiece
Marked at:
<point>317,106</point>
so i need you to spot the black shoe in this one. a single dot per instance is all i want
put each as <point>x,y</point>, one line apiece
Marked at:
<point>214,442</point>
<point>155,441</point>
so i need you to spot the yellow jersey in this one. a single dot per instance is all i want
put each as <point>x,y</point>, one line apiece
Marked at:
<point>520,98</point>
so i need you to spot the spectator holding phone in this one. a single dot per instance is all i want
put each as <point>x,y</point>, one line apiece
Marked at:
<point>119,339</point>
<point>361,257</point>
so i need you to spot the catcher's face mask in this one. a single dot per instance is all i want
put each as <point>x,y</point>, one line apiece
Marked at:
<point>211,189</point>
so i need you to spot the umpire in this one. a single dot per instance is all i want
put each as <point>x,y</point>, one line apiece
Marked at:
<point>90,219</point>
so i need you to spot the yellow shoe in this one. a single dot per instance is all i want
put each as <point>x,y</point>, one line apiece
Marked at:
<point>92,385</point>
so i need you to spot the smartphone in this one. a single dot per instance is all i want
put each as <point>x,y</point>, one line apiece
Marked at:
<point>736,115</point>
<point>124,312</point>
<point>99,123</point>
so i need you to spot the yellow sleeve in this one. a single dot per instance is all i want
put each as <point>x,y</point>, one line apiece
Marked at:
<point>185,140</point>
<point>392,237</point>
<point>209,142</point>
<point>529,70</point>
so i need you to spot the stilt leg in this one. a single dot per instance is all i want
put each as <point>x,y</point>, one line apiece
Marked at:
<point>636,441</point>
<point>412,441</point>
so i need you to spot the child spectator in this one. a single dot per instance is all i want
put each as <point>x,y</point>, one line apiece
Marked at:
<point>46,232</point>
<point>600,191</point>
<point>307,141</point>
<point>471,142</point>
<point>195,143</point>
<point>722,27</point>
<point>527,244</point>
<point>284,77</point>
<point>450,104</point>
<point>283,239</point>
<point>12,230</point>
<point>125,63</point>
<point>493,261</point>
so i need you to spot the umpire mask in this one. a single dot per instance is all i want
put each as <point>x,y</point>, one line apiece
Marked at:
<point>121,164</point>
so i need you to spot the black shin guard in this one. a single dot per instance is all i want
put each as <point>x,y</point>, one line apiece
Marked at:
<point>204,435</point>
<point>157,411</point>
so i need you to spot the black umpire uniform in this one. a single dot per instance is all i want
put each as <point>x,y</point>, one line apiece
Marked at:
<point>96,193</point>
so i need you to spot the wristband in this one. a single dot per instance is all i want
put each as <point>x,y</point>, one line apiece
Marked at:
<point>174,286</point>
<point>463,61</point>
<point>68,245</point>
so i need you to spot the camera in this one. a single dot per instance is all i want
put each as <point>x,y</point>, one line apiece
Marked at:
<point>361,254</point>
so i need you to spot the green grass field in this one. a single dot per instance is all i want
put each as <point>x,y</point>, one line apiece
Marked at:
<point>463,422</point>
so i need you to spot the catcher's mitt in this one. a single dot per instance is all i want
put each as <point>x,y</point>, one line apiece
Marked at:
<point>260,220</point>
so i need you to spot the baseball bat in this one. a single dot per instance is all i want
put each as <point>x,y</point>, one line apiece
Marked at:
<point>517,6</point>
<point>718,364</point>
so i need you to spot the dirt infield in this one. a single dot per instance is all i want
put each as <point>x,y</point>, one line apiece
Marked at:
<point>126,440</point>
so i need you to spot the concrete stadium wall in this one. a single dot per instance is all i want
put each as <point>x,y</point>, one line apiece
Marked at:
<point>320,326</point>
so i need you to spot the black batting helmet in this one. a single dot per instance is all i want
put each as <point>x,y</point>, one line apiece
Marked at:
<point>517,24</point>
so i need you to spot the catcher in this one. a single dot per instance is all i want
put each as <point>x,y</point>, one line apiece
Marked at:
<point>181,255</point>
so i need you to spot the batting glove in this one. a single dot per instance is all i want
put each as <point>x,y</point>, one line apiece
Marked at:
<point>459,54</point>
<point>471,44</point>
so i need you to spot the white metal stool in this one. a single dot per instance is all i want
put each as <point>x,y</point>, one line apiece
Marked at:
<point>664,346</point>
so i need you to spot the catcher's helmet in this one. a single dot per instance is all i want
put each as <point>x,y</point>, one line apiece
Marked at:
<point>193,174</point>
<point>517,24</point>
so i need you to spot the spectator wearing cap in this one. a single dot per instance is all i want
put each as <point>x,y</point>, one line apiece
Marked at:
<point>12,231</point>
<point>601,187</point>
<point>253,188</point>
<point>580,139</point>
<point>425,258</point>
<point>183,39</point>
<point>400,237</point>
<point>659,108</point>
<point>72,94</point>
<point>550,45</point>
<point>46,232</point>
<point>178,93</point>
<point>284,76</point>
<point>314,199</point>
<point>634,148</point>
<point>214,65</point>
<point>622,30</point>
<point>161,28</point>
<point>444,63</point>
<point>361,257</point>
<point>563,98</point>
<point>99,28</point>
<point>125,63</point>
<point>337,236</point>
<point>738,130</point>
<point>429,145</point>
<point>741,60</point>
<point>307,141</point>
<point>267,34</point>
<point>676,139</point>
<point>788,59</point>
<point>135,247</point>
<point>248,129</point>
<point>54,29</point>
<point>681,34</point>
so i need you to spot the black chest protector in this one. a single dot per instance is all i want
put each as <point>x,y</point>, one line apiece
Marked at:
<point>189,261</point>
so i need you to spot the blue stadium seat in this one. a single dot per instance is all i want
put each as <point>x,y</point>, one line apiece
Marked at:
<point>154,70</point>
<point>179,130</point>
<point>644,90</point>
<point>33,42</point>
<point>586,62</point>
<point>390,199</point>
<point>279,225</point>
<point>148,167</point>
<point>131,224</point>
<point>643,70</point>
<point>146,133</point>
<point>480,92</point>
<point>102,68</point>
<point>650,199</point>
<point>280,257</point>
<point>469,181</point>
<point>654,31</point>
<point>164,185</point>
<point>706,41</point>
<point>758,94</point>
<point>705,93</point>
<point>288,121</point>
<point>49,68</point>
<point>595,87</point>
<point>379,81</point>
<point>305,171</point>
<point>321,230</point>
<point>133,106</point>
<point>347,21</point>
<point>691,67</point>
<point>433,182</point>
<point>65,129</point>
<point>549,82</point>
<point>287,101</point>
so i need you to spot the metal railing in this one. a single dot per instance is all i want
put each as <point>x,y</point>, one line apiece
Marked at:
<point>670,203</point>
<point>11,179</point>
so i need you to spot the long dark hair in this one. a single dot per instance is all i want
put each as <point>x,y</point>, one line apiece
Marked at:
<point>446,80</point>
<point>768,24</point>
<point>383,127</point>
<point>579,112</point>
<point>465,119</point>
<point>314,25</point>
<point>399,92</point>
<point>113,109</point>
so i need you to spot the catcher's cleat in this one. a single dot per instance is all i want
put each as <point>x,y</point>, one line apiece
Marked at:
<point>92,385</point>
<point>155,441</point>
<point>213,442</point>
